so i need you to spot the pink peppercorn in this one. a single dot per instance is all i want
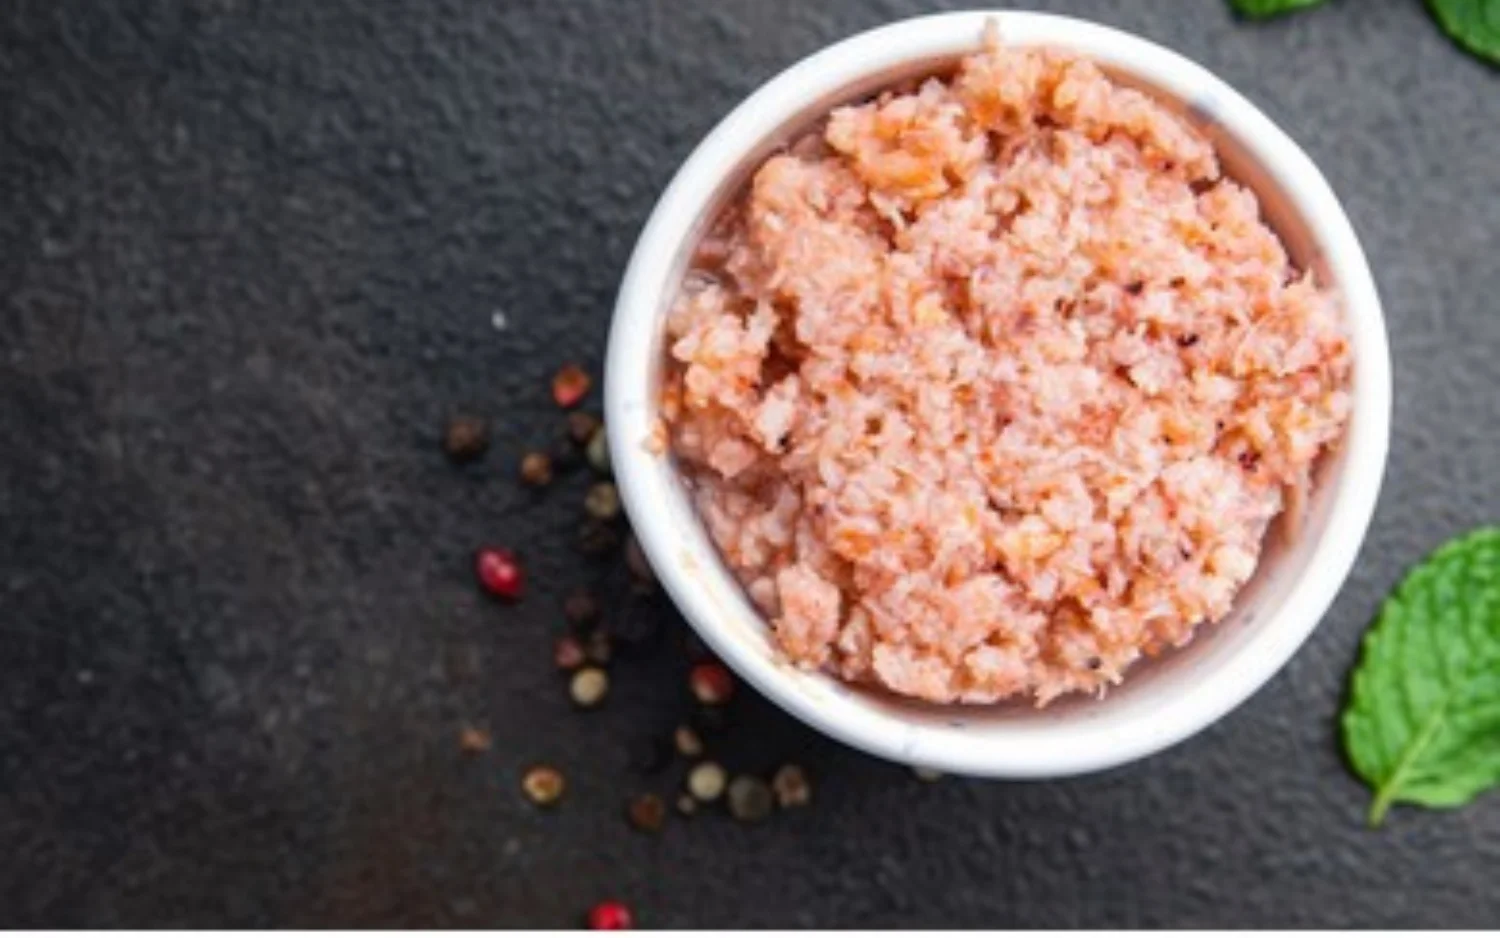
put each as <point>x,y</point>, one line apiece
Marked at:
<point>711,683</point>
<point>499,572</point>
<point>569,385</point>
<point>610,916</point>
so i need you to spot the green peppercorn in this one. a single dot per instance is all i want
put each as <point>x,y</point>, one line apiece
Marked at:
<point>597,451</point>
<point>750,799</point>
<point>602,502</point>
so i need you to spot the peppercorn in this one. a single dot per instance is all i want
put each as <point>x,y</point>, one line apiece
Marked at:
<point>750,799</point>
<point>687,805</point>
<point>791,787</point>
<point>499,573</point>
<point>611,916</point>
<point>706,781</point>
<point>710,721</point>
<point>570,385</point>
<point>646,813</point>
<point>597,647</point>
<point>568,654</point>
<point>581,609</point>
<point>597,451</point>
<point>536,469</point>
<point>711,683</point>
<point>589,687</point>
<point>472,739</point>
<point>636,625</point>
<point>650,754</point>
<point>596,538</point>
<point>466,437</point>
<point>641,574</point>
<point>564,455</point>
<point>543,784</point>
<point>602,502</point>
<point>581,427</point>
<point>689,744</point>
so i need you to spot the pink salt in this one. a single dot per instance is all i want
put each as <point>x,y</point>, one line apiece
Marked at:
<point>992,385</point>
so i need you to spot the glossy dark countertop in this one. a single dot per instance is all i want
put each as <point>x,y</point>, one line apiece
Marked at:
<point>251,255</point>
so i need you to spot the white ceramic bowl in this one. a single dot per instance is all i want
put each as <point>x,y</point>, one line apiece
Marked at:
<point>1161,701</point>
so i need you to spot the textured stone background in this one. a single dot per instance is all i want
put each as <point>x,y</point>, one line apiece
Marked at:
<point>249,256</point>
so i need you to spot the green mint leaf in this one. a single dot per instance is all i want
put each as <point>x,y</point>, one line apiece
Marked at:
<point>1473,24</point>
<point>1422,725</point>
<point>1264,9</point>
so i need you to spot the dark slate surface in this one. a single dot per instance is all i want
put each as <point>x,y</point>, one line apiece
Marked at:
<point>249,258</point>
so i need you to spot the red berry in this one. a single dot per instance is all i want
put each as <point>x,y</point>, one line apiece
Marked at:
<point>499,573</point>
<point>610,916</point>
<point>569,385</point>
<point>711,683</point>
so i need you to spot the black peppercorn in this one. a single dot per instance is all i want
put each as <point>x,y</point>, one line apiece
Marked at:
<point>597,538</point>
<point>651,754</point>
<point>466,437</point>
<point>536,469</point>
<point>641,574</point>
<point>637,624</point>
<point>581,427</point>
<point>647,813</point>
<point>710,721</point>
<point>581,609</point>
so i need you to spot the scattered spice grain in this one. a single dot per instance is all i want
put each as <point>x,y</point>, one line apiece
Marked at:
<point>602,502</point>
<point>646,813</point>
<point>570,385</point>
<point>536,469</point>
<point>706,781</point>
<point>750,799</point>
<point>711,683</point>
<point>543,785</point>
<point>499,572</point>
<point>589,687</point>
<point>466,437</point>
<point>791,786</point>
<point>568,654</point>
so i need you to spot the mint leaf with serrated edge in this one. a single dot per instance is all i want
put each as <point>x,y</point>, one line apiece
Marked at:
<point>1422,725</point>
<point>1473,24</point>
<point>1263,9</point>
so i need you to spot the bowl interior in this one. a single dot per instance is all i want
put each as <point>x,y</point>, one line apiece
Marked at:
<point>1073,734</point>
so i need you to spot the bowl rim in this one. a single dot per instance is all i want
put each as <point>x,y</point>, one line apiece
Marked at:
<point>645,482</point>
